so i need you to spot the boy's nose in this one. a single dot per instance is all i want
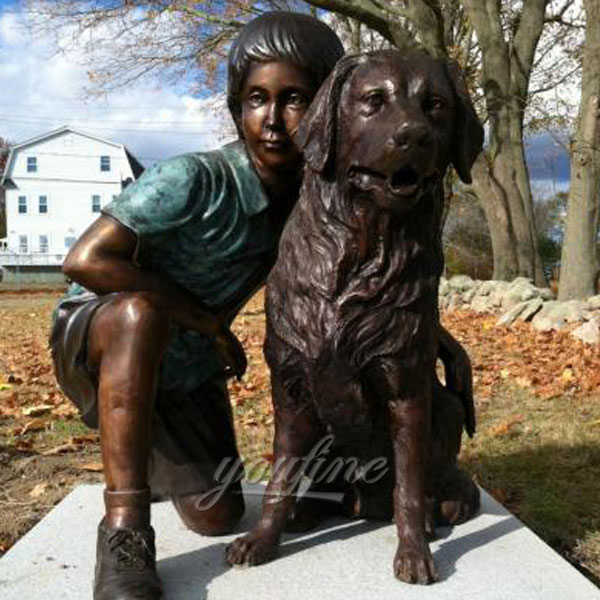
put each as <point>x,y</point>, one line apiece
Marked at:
<point>274,115</point>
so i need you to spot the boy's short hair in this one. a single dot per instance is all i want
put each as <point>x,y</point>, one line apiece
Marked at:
<point>298,38</point>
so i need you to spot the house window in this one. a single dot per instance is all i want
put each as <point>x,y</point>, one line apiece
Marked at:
<point>23,245</point>
<point>95,204</point>
<point>105,163</point>
<point>69,241</point>
<point>44,244</point>
<point>32,164</point>
<point>43,205</point>
<point>22,205</point>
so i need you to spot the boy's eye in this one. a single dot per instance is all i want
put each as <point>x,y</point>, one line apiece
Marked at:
<point>297,99</point>
<point>255,99</point>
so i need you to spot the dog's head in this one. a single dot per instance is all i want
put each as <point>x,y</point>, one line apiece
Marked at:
<point>387,125</point>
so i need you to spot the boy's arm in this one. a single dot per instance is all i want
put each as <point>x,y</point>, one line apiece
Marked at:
<point>102,261</point>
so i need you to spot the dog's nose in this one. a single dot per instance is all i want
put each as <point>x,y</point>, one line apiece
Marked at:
<point>410,135</point>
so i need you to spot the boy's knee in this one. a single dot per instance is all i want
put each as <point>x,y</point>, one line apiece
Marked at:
<point>137,311</point>
<point>133,315</point>
<point>219,519</point>
<point>135,322</point>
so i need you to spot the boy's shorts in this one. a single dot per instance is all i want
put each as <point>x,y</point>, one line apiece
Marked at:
<point>192,432</point>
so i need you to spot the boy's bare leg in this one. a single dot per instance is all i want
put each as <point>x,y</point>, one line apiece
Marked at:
<point>220,519</point>
<point>127,338</point>
<point>126,341</point>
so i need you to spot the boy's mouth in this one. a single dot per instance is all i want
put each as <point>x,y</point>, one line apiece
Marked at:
<point>275,142</point>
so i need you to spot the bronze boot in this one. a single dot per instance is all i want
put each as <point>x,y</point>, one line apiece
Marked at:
<point>126,556</point>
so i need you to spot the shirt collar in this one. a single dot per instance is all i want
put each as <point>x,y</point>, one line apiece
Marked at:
<point>252,194</point>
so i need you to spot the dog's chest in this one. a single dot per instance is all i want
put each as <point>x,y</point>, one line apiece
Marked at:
<point>353,283</point>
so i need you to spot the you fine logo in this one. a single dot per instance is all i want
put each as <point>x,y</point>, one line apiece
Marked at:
<point>314,466</point>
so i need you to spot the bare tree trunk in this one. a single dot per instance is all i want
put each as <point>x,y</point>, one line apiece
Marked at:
<point>579,260</point>
<point>506,68</point>
<point>494,202</point>
<point>508,171</point>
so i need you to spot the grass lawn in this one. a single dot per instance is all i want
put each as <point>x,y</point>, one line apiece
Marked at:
<point>537,448</point>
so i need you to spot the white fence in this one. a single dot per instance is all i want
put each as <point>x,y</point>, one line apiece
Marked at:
<point>33,259</point>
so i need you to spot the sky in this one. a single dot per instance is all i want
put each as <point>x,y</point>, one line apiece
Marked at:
<point>41,91</point>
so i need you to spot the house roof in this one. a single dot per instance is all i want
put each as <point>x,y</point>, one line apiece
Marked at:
<point>136,167</point>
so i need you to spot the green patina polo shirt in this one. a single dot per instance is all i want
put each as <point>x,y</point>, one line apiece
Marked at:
<point>201,222</point>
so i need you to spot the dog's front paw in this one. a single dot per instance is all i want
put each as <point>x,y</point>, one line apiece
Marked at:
<point>414,564</point>
<point>254,548</point>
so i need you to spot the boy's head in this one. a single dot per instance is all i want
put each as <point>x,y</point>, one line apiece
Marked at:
<point>299,39</point>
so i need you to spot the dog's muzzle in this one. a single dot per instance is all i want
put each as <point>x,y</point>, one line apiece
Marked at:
<point>404,184</point>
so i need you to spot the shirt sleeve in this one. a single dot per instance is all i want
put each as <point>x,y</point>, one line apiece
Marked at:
<point>166,196</point>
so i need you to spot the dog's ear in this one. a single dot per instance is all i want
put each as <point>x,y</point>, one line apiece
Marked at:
<point>469,131</point>
<point>316,135</point>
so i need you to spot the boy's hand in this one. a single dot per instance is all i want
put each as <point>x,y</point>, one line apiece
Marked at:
<point>231,353</point>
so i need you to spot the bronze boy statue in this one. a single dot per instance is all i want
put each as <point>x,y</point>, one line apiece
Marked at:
<point>141,342</point>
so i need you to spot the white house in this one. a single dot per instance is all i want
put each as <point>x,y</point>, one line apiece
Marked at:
<point>55,186</point>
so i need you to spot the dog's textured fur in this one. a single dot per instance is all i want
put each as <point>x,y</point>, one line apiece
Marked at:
<point>352,321</point>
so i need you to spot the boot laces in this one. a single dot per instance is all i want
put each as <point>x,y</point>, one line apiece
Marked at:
<point>130,548</point>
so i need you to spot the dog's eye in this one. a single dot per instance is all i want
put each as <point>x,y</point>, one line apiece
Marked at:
<point>435,103</point>
<point>373,100</point>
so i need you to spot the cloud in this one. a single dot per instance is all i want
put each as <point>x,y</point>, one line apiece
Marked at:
<point>41,90</point>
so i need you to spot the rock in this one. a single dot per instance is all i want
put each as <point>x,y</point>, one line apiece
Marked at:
<point>516,296</point>
<point>444,288</point>
<point>461,283</point>
<point>594,302</point>
<point>454,301</point>
<point>468,296</point>
<point>523,311</point>
<point>555,315</point>
<point>588,332</point>
<point>488,287</point>
<point>508,318</point>
<point>482,304</point>
<point>541,323</point>
<point>545,320</point>
<point>485,289</point>
<point>574,310</point>
<point>520,290</point>
<point>546,294</point>
<point>496,298</point>
<point>521,281</point>
<point>531,309</point>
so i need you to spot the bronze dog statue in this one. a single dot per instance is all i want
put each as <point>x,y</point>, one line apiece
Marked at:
<point>352,316</point>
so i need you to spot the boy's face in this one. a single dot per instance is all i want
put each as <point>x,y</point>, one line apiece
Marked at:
<point>274,98</point>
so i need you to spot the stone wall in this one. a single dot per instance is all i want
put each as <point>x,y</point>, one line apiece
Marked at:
<point>521,300</point>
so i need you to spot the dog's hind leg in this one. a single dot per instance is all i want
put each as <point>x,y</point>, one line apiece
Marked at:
<point>453,497</point>
<point>297,433</point>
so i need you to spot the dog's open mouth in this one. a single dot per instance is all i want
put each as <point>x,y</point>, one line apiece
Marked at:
<point>404,183</point>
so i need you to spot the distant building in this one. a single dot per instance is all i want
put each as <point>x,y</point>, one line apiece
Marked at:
<point>55,186</point>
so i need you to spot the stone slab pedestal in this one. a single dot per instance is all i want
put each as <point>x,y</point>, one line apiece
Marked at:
<point>493,557</point>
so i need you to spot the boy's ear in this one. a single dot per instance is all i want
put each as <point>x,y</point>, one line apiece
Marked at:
<point>469,131</point>
<point>316,136</point>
